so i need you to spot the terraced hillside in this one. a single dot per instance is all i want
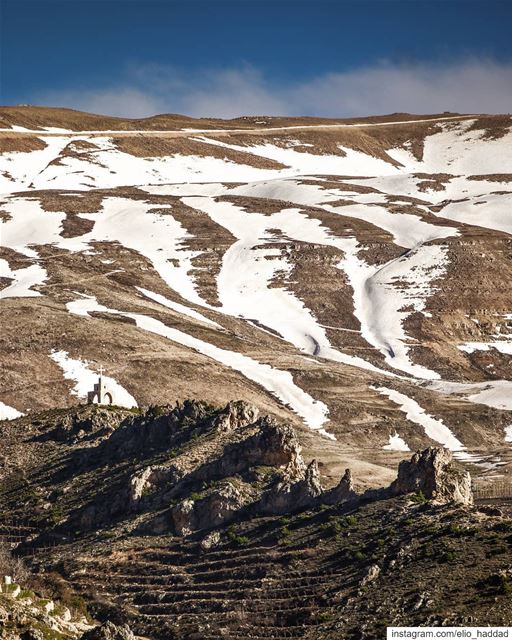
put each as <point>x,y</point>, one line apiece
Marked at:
<point>351,277</point>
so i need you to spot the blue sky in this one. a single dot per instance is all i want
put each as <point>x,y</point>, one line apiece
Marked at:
<point>235,57</point>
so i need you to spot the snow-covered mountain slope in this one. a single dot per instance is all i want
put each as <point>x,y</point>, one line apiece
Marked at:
<point>353,277</point>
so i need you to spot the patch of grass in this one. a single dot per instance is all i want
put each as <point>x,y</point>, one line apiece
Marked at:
<point>195,496</point>
<point>109,535</point>
<point>285,536</point>
<point>147,491</point>
<point>265,471</point>
<point>156,411</point>
<point>496,551</point>
<point>353,553</point>
<point>431,530</point>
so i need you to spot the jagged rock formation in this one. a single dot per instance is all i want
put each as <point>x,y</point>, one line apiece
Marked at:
<point>342,492</point>
<point>297,488</point>
<point>193,467</point>
<point>434,474</point>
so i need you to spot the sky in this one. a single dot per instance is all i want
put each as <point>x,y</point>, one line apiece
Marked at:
<point>227,58</point>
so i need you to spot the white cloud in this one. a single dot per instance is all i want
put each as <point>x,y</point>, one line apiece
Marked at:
<point>469,86</point>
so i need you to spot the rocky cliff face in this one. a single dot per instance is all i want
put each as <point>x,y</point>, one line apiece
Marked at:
<point>434,473</point>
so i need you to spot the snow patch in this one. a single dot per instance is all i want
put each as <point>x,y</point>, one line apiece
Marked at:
<point>24,280</point>
<point>502,346</point>
<point>248,269</point>
<point>396,443</point>
<point>385,296</point>
<point>176,306</point>
<point>496,393</point>
<point>434,429</point>
<point>9,413</point>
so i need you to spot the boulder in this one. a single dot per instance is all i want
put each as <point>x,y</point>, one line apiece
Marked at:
<point>183,517</point>
<point>221,506</point>
<point>210,541</point>
<point>434,473</point>
<point>371,574</point>
<point>275,445</point>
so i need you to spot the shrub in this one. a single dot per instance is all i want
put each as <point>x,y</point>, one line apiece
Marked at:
<point>456,530</point>
<point>325,616</point>
<point>499,583</point>
<point>418,498</point>
<point>56,514</point>
<point>448,555</point>
<point>12,566</point>
<point>236,538</point>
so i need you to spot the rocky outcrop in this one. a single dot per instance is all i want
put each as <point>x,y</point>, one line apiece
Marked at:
<point>29,615</point>
<point>342,492</point>
<point>210,541</point>
<point>144,482</point>
<point>183,517</point>
<point>88,423</point>
<point>296,489</point>
<point>275,445</point>
<point>194,467</point>
<point>236,415</point>
<point>218,507</point>
<point>272,445</point>
<point>109,631</point>
<point>434,473</point>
